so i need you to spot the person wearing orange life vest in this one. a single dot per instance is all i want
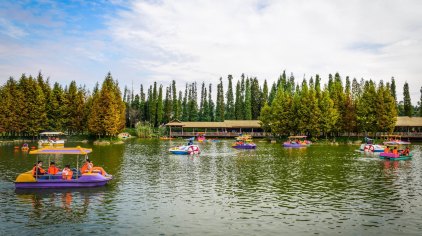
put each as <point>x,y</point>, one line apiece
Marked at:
<point>38,170</point>
<point>52,170</point>
<point>406,152</point>
<point>89,167</point>
<point>67,173</point>
<point>395,151</point>
<point>387,149</point>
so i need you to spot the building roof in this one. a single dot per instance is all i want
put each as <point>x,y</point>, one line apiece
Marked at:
<point>405,121</point>
<point>402,121</point>
<point>224,124</point>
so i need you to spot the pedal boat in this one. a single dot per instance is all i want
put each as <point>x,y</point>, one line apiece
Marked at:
<point>395,157</point>
<point>185,150</point>
<point>85,180</point>
<point>300,142</point>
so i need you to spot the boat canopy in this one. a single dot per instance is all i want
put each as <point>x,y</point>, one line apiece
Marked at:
<point>304,136</point>
<point>74,151</point>
<point>51,133</point>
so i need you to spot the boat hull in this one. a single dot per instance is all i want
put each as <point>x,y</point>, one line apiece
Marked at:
<point>394,157</point>
<point>55,181</point>
<point>396,143</point>
<point>185,150</point>
<point>295,145</point>
<point>372,148</point>
<point>244,146</point>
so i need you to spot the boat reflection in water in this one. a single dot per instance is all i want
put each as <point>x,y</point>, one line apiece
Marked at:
<point>55,206</point>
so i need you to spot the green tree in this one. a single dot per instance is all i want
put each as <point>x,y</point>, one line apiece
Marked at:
<point>329,114</point>
<point>248,100</point>
<point>159,109</point>
<point>408,109</point>
<point>256,99</point>
<point>230,107</point>
<point>211,104</point>
<point>219,110</point>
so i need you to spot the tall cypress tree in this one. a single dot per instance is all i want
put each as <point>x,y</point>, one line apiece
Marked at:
<point>185,112</point>
<point>420,104</point>
<point>393,89</point>
<point>219,110</point>
<point>159,116</point>
<point>264,98</point>
<point>211,104</point>
<point>238,109</point>
<point>406,101</point>
<point>230,108</point>
<point>255,99</point>
<point>248,101</point>
<point>176,108</point>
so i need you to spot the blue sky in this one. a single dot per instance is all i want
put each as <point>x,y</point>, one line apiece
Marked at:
<point>190,40</point>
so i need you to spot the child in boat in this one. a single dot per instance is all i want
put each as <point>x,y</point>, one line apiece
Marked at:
<point>38,170</point>
<point>52,170</point>
<point>67,173</point>
<point>387,149</point>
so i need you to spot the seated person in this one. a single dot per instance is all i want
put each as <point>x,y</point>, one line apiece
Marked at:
<point>52,170</point>
<point>67,173</point>
<point>395,151</point>
<point>38,170</point>
<point>406,152</point>
<point>387,149</point>
<point>89,167</point>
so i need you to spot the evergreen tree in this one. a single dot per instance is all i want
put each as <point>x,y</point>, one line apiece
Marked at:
<point>238,103</point>
<point>393,89</point>
<point>167,106</point>
<point>193,104</point>
<point>57,116</point>
<point>264,98</point>
<point>230,107</point>
<point>248,100</point>
<point>185,112</point>
<point>272,93</point>
<point>219,111</point>
<point>176,108</point>
<point>255,99</point>
<point>211,104</point>
<point>159,109</point>
<point>407,103</point>
<point>365,108</point>
<point>420,104</point>
<point>329,114</point>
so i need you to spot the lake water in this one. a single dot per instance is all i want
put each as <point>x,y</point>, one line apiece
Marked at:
<point>269,191</point>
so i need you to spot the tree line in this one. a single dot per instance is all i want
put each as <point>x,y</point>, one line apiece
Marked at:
<point>31,105</point>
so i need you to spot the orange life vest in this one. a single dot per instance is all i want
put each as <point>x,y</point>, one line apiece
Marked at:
<point>67,174</point>
<point>386,150</point>
<point>52,170</point>
<point>41,171</point>
<point>86,168</point>
<point>395,151</point>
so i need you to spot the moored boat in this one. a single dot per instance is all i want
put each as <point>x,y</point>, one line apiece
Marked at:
<point>51,139</point>
<point>297,141</point>
<point>30,179</point>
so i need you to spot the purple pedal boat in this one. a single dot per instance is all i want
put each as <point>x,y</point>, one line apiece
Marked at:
<point>78,180</point>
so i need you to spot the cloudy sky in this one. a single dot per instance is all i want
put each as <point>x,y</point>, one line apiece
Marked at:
<point>198,40</point>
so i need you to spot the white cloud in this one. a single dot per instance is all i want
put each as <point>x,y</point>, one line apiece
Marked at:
<point>189,40</point>
<point>203,40</point>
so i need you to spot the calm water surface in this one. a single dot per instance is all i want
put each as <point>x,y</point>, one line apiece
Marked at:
<point>268,191</point>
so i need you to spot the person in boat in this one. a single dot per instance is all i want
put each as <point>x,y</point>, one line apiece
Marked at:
<point>387,149</point>
<point>406,152</point>
<point>395,151</point>
<point>190,142</point>
<point>67,173</point>
<point>52,169</point>
<point>89,167</point>
<point>38,170</point>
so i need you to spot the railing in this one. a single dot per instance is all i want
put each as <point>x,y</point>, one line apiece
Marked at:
<point>218,134</point>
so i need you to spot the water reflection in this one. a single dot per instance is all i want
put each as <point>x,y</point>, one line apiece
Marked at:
<point>56,206</point>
